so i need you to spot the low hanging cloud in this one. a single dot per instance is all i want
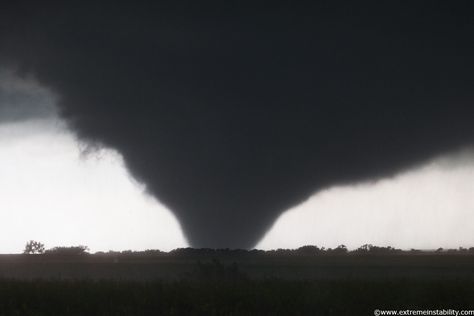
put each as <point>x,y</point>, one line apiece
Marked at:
<point>23,99</point>
<point>231,114</point>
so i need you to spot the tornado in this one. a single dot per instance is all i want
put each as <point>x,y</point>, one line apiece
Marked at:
<point>230,114</point>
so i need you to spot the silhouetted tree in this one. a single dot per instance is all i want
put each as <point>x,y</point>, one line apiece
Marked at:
<point>364,249</point>
<point>341,249</point>
<point>33,247</point>
<point>74,250</point>
<point>308,250</point>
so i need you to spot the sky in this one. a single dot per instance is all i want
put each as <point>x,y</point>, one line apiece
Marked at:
<point>55,190</point>
<point>428,207</point>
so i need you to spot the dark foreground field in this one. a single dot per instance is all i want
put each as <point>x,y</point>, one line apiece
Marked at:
<point>244,297</point>
<point>234,285</point>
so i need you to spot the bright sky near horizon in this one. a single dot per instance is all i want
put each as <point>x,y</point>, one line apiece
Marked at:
<point>51,192</point>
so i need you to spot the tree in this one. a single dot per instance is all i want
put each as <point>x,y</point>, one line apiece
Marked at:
<point>33,247</point>
<point>308,250</point>
<point>69,251</point>
<point>341,249</point>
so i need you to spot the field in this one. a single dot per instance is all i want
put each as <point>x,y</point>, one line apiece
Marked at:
<point>233,284</point>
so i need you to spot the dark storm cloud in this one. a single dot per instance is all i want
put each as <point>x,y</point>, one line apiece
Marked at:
<point>233,114</point>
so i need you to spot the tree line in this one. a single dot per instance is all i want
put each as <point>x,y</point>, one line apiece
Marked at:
<point>35,247</point>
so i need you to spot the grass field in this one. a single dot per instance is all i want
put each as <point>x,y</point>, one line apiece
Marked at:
<point>237,297</point>
<point>172,267</point>
<point>233,285</point>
